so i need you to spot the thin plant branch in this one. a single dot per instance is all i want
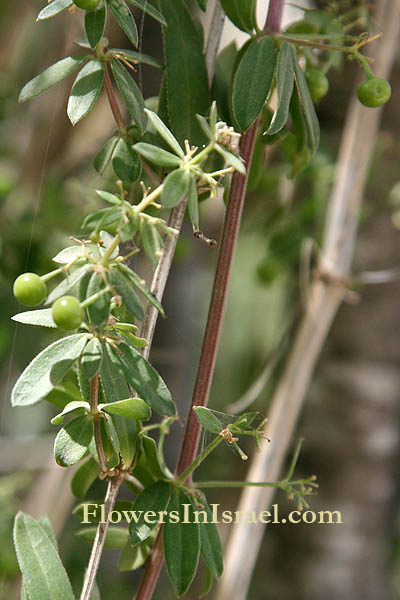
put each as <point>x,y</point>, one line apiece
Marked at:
<point>113,101</point>
<point>324,300</point>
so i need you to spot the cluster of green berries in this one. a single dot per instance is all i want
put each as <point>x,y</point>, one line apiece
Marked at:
<point>30,290</point>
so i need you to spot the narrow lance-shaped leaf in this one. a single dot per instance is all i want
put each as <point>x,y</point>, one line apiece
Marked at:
<point>126,162</point>
<point>47,369</point>
<point>165,133</point>
<point>130,93</point>
<point>148,8</point>
<point>116,537</point>
<point>125,19</point>
<point>51,76</point>
<point>103,157</point>
<point>242,13</point>
<point>284,84</point>
<point>41,317</point>
<point>210,543</point>
<point>307,105</point>
<point>145,380</point>
<point>175,188</point>
<point>131,408</point>
<point>66,285</point>
<point>230,158</point>
<point>76,405</point>
<point>129,298</point>
<point>72,441</point>
<point>95,22</point>
<point>181,543</point>
<point>156,155</point>
<point>99,310</point>
<point>186,75</point>
<point>53,8</point>
<point>148,468</point>
<point>155,499</point>
<point>85,91</point>
<point>91,358</point>
<point>152,242</point>
<point>134,557</point>
<point>83,478</point>
<point>44,575</point>
<point>252,81</point>
<point>140,284</point>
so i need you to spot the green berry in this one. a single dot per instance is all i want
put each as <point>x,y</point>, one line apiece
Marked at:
<point>29,289</point>
<point>317,82</point>
<point>374,92</point>
<point>67,313</point>
<point>87,4</point>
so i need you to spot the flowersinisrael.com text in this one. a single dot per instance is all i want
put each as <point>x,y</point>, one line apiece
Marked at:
<point>96,513</point>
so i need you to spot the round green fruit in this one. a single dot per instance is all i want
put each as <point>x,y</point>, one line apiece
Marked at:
<point>87,4</point>
<point>67,313</point>
<point>29,289</point>
<point>317,82</point>
<point>374,92</point>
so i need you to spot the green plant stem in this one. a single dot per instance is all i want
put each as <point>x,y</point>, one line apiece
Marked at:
<point>148,199</point>
<point>197,462</point>
<point>89,301</point>
<point>235,484</point>
<point>108,253</point>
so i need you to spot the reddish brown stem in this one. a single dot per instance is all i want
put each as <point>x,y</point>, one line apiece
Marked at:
<point>274,17</point>
<point>218,301</point>
<point>113,101</point>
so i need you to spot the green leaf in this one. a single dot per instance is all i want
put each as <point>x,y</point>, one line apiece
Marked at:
<point>60,395</point>
<point>136,57</point>
<point>165,133</point>
<point>134,557</point>
<point>116,537</point>
<point>103,158</point>
<point>193,203</point>
<point>71,407</point>
<point>91,358</point>
<point>51,76</point>
<point>53,8</point>
<point>210,543</point>
<point>44,575</point>
<point>47,369</point>
<point>175,188</point>
<point>112,435</point>
<point>157,156</point>
<point>152,242</point>
<point>72,441</point>
<point>68,254</point>
<point>148,8</point>
<point>112,378</point>
<point>95,22</point>
<point>36,317</point>
<point>84,477</point>
<point>186,74</point>
<point>232,160</point>
<point>252,81</point>
<point>130,93</point>
<point>208,582</point>
<point>44,522</point>
<point>148,468</point>
<point>121,286</point>
<point>307,105</point>
<point>145,380</point>
<point>245,420</point>
<point>140,284</point>
<point>98,311</point>
<point>126,162</point>
<point>125,20</point>
<point>131,408</point>
<point>67,284</point>
<point>221,84</point>
<point>207,419</point>
<point>127,436</point>
<point>106,218</point>
<point>152,499</point>
<point>242,13</point>
<point>181,544</point>
<point>108,197</point>
<point>85,91</point>
<point>284,84</point>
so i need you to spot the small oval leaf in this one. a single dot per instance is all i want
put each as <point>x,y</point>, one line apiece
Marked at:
<point>175,188</point>
<point>73,440</point>
<point>85,91</point>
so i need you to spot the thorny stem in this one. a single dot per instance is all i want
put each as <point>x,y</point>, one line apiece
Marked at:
<point>113,101</point>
